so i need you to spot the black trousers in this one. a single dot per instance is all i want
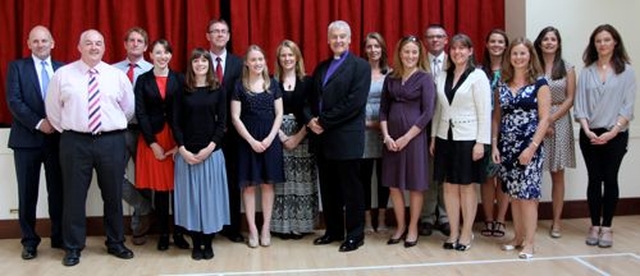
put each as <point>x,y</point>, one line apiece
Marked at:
<point>340,187</point>
<point>603,164</point>
<point>366,173</point>
<point>80,154</point>
<point>28,162</point>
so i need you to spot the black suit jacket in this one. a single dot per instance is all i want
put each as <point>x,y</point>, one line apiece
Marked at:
<point>343,99</point>
<point>232,73</point>
<point>151,110</point>
<point>24,98</point>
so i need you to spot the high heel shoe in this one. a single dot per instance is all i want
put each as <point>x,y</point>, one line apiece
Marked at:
<point>511,246</point>
<point>448,245</point>
<point>464,247</point>
<point>265,239</point>
<point>525,255</point>
<point>408,244</point>
<point>397,240</point>
<point>252,242</point>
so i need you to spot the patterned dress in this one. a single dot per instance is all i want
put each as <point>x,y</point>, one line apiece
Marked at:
<point>295,207</point>
<point>559,148</point>
<point>518,125</point>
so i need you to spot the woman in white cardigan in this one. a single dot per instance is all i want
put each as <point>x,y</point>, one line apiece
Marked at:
<point>461,128</point>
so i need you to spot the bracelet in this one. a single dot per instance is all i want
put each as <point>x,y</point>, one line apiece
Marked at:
<point>535,144</point>
<point>619,124</point>
<point>494,139</point>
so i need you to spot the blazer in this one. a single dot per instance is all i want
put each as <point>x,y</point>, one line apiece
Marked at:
<point>151,110</point>
<point>342,116</point>
<point>469,113</point>
<point>24,98</point>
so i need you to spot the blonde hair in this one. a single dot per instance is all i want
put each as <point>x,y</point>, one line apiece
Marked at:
<point>279,71</point>
<point>245,69</point>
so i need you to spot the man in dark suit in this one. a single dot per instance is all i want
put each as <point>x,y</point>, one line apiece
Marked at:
<point>227,67</point>
<point>336,115</point>
<point>33,140</point>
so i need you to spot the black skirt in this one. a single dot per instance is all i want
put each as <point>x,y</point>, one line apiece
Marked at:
<point>453,163</point>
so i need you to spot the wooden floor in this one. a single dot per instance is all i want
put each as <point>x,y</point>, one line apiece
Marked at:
<point>565,256</point>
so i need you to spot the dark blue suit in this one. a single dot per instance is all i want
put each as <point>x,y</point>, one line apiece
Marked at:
<point>32,148</point>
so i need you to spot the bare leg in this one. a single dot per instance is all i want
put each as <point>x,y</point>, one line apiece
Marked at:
<point>452,205</point>
<point>398,209</point>
<point>557,195</point>
<point>249,199</point>
<point>529,212</point>
<point>267,208</point>
<point>469,206</point>
<point>488,193</point>
<point>416,199</point>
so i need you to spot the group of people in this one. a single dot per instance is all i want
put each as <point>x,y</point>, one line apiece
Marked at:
<point>432,124</point>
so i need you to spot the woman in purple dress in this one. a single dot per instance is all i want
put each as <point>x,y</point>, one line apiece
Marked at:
<point>406,107</point>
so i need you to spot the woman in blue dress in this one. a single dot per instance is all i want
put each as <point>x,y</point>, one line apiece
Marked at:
<point>520,121</point>
<point>256,112</point>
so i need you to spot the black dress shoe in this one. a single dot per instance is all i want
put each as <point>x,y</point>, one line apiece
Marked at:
<point>426,229</point>
<point>398,240</point>
<point>180,242</point>
<point>207,253</point>
<point>71,257</point>
<point>233,236</point>
<point>29,252</point>
<point>408,243</point>
<point>120,251</point>
<point>326,239</point>
<point>197,253</point>
<point>351,245</point>
<point>163,242</point>
<point>445,228</point>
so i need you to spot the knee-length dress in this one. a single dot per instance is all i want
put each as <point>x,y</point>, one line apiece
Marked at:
<point>518,125</point>
<point>295,207</point>
<point>560,147</point>
<point>201,195</point>
<point>257,115</point>
<point>402,106</point>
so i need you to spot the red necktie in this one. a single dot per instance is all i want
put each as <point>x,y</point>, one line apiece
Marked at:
<point>130,72</point>
<point>219,69</point>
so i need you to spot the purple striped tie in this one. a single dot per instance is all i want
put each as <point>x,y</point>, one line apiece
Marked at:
<point>94,102</point>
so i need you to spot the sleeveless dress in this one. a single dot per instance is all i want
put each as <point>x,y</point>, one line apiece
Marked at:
<point>559,148</point>
<point>518,125</point>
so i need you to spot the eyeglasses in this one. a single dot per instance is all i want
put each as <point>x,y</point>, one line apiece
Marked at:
<point>432,37</point>
<point>219,31</point>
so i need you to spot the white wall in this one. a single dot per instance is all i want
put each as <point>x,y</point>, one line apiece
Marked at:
<point>574,18</point>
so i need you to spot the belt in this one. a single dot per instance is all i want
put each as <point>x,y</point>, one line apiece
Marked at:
<point>95,135</point>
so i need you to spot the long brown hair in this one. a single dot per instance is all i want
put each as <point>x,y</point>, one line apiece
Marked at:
<point>190,79</point>
<point>619,57</point>
<point>384,56</point>
<point>558,70</point>
<point>398,67</point>
<point>486,57</point>
<point>534,70</point>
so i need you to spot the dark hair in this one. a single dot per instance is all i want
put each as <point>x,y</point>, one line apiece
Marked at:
<point>533,71</point>
<point>486,57</point>
<point>139,30</point>
<point>384,57</point>
<point>619,57</point>
<point>164,43</point>
<point>211,79</point>
<point>465,41</point>
<point>398,67</point>
<point>558,70</point>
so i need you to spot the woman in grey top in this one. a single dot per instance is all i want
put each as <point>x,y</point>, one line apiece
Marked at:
<point>604,107</point>
<point>374,51</point>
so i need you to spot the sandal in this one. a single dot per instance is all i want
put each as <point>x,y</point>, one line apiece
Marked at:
<point>488,229</point>
<point>498,229</point>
